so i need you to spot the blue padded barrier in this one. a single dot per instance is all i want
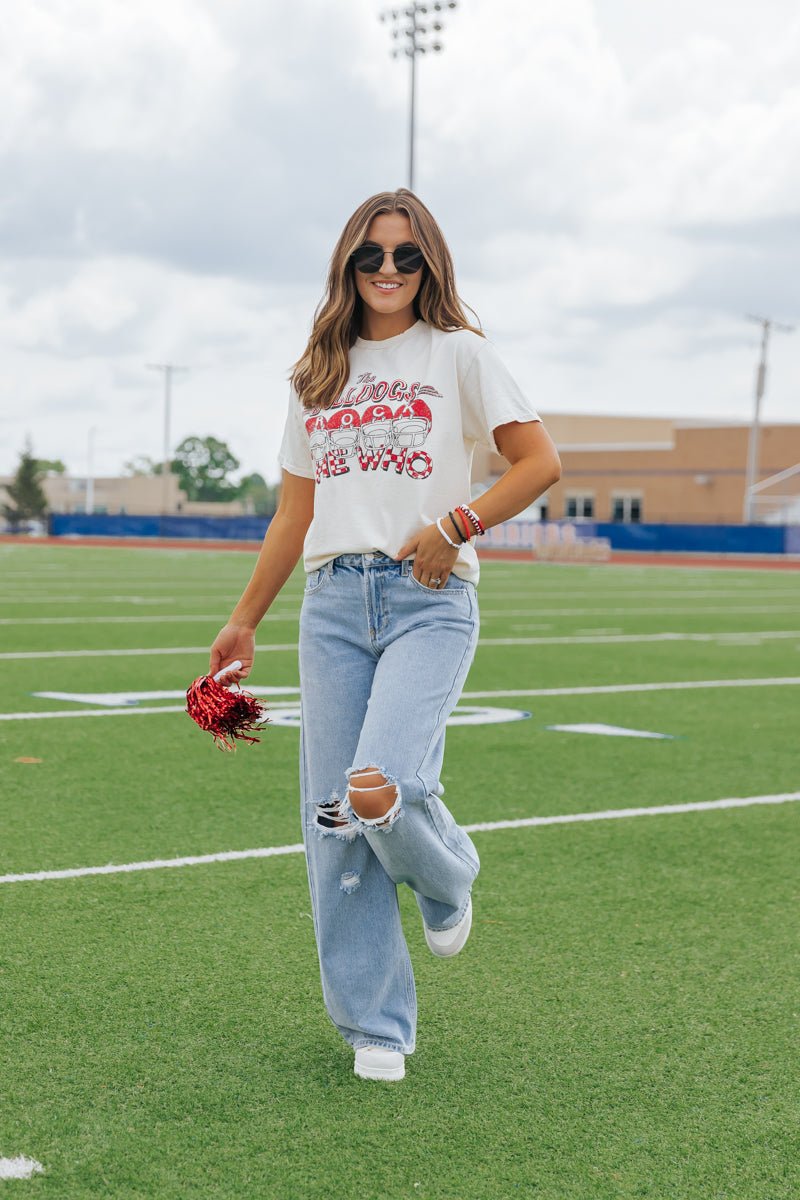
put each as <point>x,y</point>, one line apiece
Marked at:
<point>177,526</point>
<point>699,539</point>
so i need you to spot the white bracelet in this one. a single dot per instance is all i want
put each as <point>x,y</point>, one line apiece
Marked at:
<point>444,535</point>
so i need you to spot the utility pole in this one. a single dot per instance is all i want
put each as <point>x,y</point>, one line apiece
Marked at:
<point>761,378</point>
<point>169,370</point>
<point>406,24</point>
<point>89,502</point>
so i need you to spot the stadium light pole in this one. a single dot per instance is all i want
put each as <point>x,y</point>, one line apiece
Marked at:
<point>761,378</point>
<point>409,34</point>
<point>169,370</point>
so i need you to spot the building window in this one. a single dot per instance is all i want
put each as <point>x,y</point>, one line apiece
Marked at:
<point>578,505</point>
<point>626,506</point>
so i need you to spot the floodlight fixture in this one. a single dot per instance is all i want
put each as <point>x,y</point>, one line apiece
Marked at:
<point>408,25</point>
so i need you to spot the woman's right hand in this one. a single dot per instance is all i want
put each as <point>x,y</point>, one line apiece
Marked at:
<point>232,642</point>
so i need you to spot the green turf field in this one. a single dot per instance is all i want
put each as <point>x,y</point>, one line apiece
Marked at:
<point>623,1021</point>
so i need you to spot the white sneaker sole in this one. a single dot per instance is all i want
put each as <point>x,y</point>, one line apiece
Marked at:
<point>372,1062</point>
<point>444,943</point>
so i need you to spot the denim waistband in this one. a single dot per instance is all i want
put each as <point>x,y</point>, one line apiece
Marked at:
<point>370,560</point>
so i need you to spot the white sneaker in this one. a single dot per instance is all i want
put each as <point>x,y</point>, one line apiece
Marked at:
<point>373,1062</point>
<point>444,943</point>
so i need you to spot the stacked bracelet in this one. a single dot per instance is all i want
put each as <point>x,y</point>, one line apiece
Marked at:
<point>444,535</point>
<point>458,529</point>
<point>472,524</point>
<point>472,519</point>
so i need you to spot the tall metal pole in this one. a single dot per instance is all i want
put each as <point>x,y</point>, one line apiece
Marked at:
<point>412,113</point>
<point>169,370</point>
<point>755,429</point>
<point>407,25</point>
<point>89,502</point>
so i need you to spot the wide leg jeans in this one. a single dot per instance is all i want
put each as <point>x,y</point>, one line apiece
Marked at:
<point>382,664</point>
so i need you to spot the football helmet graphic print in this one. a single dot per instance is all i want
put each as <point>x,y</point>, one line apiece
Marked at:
<point>411,425</point>
<point>376,427</point>
<point>343,430</point>
<point>317,437</point>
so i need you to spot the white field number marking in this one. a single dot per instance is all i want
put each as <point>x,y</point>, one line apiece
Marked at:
<point>609,731</point>
<point>612,814</point>
<point>287,715</point>
<point>19,1168</point>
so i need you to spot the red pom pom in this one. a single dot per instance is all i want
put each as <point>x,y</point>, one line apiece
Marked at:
<point>224,713</point>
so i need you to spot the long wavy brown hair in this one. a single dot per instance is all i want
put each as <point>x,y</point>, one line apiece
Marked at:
<point>321,372</point>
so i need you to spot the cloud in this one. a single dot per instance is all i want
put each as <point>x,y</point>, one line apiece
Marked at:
<point>618,188</point>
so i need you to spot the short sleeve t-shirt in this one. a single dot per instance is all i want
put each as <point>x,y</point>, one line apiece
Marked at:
<point>395,450</point>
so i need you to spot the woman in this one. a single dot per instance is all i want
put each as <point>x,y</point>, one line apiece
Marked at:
<point>387,402</point>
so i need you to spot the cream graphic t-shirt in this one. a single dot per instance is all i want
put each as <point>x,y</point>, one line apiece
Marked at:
<point>395,450</point>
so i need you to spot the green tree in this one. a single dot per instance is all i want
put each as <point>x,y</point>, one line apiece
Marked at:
<point>203,466</point>
<point>25,491</point>
<point>142,465</point>
<point>257,495</point>
<point>51,466</point>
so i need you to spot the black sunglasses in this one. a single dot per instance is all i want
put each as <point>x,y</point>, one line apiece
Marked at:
<point>407,258</point>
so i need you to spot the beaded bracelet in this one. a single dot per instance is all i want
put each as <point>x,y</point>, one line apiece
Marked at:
<point>458,529</point>
<point>444,535</point>
<point>473,518</point>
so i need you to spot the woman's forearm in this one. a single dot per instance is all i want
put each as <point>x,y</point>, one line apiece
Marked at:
<point>516,489</point>
<point>277,558</point>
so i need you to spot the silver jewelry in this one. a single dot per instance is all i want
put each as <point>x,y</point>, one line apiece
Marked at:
<point>436,581</point>
<point>444,535</point>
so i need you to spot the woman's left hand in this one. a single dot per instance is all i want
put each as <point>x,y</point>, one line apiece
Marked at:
<point>434,558</point>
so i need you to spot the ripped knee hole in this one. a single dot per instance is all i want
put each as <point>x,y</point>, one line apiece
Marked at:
<point>371,794</point>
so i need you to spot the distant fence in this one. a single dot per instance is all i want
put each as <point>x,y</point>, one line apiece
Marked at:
<point>511,535</point>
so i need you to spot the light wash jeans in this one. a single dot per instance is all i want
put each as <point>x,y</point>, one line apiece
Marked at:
<point>382,664</point>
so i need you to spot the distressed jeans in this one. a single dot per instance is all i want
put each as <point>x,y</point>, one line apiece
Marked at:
<point>383,660</point>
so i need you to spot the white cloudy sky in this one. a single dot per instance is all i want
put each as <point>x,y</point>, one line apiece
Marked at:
<point>619,182</point>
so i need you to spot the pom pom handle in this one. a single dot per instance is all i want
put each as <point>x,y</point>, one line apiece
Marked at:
<point>234,666</point>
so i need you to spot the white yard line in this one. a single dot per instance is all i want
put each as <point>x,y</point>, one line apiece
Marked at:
<point>622,593</point>
<point>567,640</point>
<point>601,639</point>
<point>28,600</point>
<point>612,814</point>
<point>150,619</point>
<point>22,591</point>
<point>637,610</point>
<point>123,699</point>
<point>601,690</point>
<point>288,616</point>
<point>532,611</point>
<point>94,712</point>
<point>138,651</point>
<point>612,688</point>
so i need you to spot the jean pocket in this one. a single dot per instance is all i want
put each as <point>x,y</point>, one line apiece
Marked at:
<point>453,584</point>
<point>314,581</point>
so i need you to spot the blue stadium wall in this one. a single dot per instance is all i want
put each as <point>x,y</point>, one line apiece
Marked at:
<point>235,529</point>
<point>699,539</point>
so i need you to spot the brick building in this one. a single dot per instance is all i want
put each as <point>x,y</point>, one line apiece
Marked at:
<point>140,494</point>
<point>658,469</point>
